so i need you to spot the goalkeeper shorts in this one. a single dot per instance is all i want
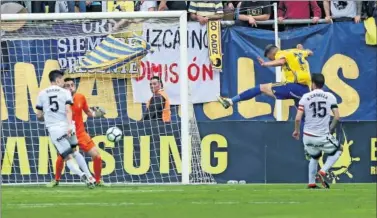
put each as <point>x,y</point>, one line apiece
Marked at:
<point>85,141</point>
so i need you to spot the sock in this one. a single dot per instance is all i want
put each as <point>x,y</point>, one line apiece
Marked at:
<point>59,167</point>
<point>313,164</point>
<point>97,167</point>
<point>82,163</point>
<point>73,168</point>
<point>331,161</point>
<point>246,95</point>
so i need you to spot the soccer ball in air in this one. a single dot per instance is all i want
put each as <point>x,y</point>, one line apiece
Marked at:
<point>114,134</point>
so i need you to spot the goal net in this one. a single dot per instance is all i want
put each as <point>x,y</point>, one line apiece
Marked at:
<point>151,151</point>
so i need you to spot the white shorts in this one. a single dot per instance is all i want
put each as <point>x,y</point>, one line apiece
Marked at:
<point>315,145</point>
<point>59,137</point>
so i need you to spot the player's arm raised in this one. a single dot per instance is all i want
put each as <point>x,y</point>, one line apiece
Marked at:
<point>94,111</point>
<point>274,63</point>
<point>308,52</point>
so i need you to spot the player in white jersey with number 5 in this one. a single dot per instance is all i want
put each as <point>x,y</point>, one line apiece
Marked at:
<point>317,106</point>
<point>54,108</point>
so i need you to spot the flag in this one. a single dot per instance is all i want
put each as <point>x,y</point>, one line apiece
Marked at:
<point>214,44</point>
<point>112,54</point>
<point>371,31</point>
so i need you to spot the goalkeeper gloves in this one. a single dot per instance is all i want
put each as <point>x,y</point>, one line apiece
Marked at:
<point>98,112</point>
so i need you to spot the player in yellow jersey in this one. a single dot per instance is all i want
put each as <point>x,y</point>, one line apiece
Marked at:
<point>296,76</point>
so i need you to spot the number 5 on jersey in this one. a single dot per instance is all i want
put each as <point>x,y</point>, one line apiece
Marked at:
<point>54,106</point>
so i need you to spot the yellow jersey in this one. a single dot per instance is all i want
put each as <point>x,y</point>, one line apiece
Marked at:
<point>296,69</point>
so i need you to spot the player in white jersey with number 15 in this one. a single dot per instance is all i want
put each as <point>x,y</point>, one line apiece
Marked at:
<point>317,106</point>
<point>54,108</point>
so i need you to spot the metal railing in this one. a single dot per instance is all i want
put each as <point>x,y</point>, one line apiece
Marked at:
<point>271,22</point>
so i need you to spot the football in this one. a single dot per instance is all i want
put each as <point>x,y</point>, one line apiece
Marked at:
<point>114,134</point>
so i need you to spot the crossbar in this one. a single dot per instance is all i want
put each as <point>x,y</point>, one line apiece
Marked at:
<point>94,15</point>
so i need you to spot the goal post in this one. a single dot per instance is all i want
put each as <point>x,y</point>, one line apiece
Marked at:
<point>189,143</point>
<point>278,74</point>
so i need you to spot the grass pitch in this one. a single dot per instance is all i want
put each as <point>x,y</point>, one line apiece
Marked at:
<point>218,201</point>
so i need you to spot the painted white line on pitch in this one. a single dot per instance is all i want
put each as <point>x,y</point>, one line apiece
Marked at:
<point>141,190</point>
<point>103,204</point>
<point>274,202</point>
<point>84,190</point>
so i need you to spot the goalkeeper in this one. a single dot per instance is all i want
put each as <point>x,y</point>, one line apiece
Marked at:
<point>85,142</point>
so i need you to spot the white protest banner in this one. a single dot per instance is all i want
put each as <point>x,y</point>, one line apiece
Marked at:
<point>164,62</point>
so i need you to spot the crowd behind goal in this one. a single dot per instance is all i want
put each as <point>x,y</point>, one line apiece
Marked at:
<point>244,13</point>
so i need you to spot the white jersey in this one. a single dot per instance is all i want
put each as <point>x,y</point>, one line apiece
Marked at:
<point>317,106</point>
<point>52,101</point>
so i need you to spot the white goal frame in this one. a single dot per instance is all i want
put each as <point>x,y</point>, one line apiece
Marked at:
<point>184,83</point>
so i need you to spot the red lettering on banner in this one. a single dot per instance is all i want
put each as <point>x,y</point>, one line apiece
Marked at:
<point>149,75</point>
<point>207,71</point>
<point>165,73</point>
<point>173,71</point>
<point>169,72</point>
<point>156,69</point>
<point>142,74</point>
<point>193,71</point>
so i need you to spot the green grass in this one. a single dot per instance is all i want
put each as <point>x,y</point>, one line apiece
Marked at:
<point>218,201</point>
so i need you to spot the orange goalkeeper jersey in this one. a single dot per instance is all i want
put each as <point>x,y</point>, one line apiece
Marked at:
<point>79,105</point>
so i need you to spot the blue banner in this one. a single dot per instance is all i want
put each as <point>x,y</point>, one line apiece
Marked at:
<point>340,53</point>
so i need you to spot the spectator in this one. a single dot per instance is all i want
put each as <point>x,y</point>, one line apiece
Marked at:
<point>158,107</point>
<point>26,4</point>
<point>81,5</point>
<point>172,5</point>
<point>43,7</point>
<point>117,6</point>
<point>203,11</point>
<point>253,11</point>
<point>298,10</point>
<point>230,6</point>
<point>126,6</point>
<point>369,9</point>
<point>95,6</point>
<point>145,5</point>
<point>342,10</point>
<point>61,7</point>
